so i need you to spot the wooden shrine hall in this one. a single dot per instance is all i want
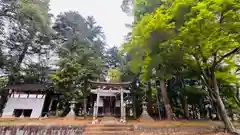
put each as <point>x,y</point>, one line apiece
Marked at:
<point>110,99</point>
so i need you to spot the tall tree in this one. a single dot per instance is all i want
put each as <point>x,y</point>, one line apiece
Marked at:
<point>204,33</point>
<point>28,33</point>
<point>139,9</point>
<point>80,54</point>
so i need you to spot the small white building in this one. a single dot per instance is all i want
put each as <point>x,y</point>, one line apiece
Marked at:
<point>28,100</point>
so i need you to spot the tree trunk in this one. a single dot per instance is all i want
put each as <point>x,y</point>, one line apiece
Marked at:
<point>133,96</point>
<point>85,107</point>
<point>210,113</point>
<point>237,98</point>
<point>194,111</point>
<point>149,99</point>
<point>238,94</point>
<point>138,106</point>
<point>222,110</point>
<point>168,108</point>
<point>23,53</point>
<point>158,101</point>
<point>85,98</point>
<point>17,66</point>
<point>134,106</point>
<point>218,113</point>
<point>185,107</point>
<point>223,113</point>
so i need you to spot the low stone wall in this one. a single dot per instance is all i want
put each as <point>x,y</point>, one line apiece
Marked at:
<point>181,130</point>
<point>41,130</point>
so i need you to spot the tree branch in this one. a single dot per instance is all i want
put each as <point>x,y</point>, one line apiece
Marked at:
<point>201,69</point>
<point>214,57</point>
<point>225,56</point>
<point>236,101</point>
<point>204,81</point>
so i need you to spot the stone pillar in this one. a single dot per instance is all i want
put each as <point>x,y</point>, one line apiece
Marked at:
<point>94,113</point>
<point>122,107</point>
<point>57,109</point>
<point>98,97</point>
<point>124,112</point>
<point>95,110</point>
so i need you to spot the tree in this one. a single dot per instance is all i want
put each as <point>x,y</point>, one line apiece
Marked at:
<point>203,33</point>
<point>80,55</point>
<point>25,32</point>
<point>211,46</point>
<point>140,8</point>
<point>114,57</point>
<point>127,6</point>
<point>114,74</point>
<point>28,33</point>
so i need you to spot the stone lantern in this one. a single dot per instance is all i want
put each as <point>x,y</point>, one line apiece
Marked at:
<point>71,114</point>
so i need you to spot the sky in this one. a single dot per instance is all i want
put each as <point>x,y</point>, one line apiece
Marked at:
<point>108,14</point>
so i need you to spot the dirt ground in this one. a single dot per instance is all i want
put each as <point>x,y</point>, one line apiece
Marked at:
<point>182,133</point>
<point>44,121</point>
<point>82,121</point>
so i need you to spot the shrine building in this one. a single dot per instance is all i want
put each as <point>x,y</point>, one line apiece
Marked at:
<point>110,98</point>
<point>29,100</point>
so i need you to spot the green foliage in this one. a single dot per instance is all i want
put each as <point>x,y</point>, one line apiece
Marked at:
<point>201,37</point>
<point>127,6</point>
<point>193,40</point>
<point>142,7</point>
<point>28,35</point>
<point>37,11</point>
<point>114,74</point>
<point>80,54</point>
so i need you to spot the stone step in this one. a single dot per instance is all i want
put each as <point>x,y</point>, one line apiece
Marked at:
<point>108,129</point>
<point>109,133</point>
<point>108,125</point>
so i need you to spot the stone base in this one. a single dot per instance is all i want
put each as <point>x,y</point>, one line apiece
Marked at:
<point>96,121</point>
<point>70,117</point>
<point>123,121</point>
<point>145,117</point>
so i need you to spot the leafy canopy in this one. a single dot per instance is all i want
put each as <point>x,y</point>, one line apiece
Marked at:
<point>202,33</point>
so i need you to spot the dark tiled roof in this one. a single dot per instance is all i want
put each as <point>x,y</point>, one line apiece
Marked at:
<point>110,84</point>
<point>27,87</point>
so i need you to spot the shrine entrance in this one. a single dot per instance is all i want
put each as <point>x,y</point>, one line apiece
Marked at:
<point>108,106</point>
<point>110,99</point>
